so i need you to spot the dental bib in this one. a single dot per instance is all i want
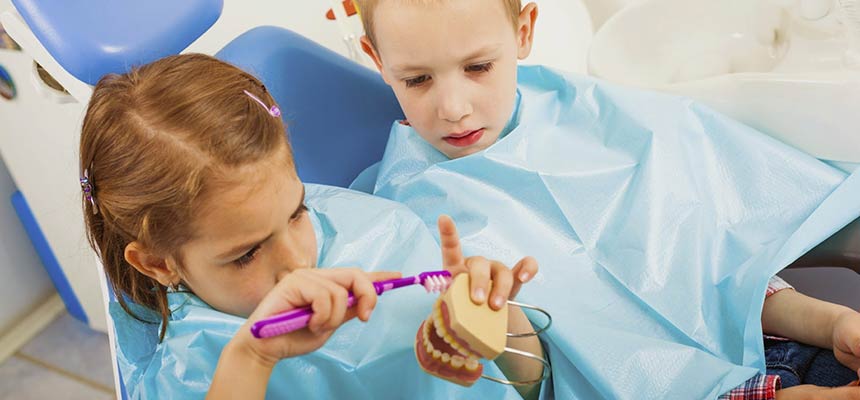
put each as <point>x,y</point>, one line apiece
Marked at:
<point>370,360</point>
<point>656,223</point>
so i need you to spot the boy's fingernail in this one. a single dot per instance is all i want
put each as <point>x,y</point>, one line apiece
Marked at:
<point>479,294</point>
<point>498,301</point>
<point>524,276</point>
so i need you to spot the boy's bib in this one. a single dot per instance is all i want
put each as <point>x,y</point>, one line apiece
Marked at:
<point>656,223</point>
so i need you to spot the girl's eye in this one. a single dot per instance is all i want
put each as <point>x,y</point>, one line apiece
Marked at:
<point>248,257</point>
<point>485,67</point>
<point>299,213</point>
<point>416,81</point>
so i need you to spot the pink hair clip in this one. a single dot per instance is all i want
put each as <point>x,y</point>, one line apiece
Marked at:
<point>273,110</point>
<point>87,188</point>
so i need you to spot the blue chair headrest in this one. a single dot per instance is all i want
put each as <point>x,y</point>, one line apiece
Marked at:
<point>95,37</point>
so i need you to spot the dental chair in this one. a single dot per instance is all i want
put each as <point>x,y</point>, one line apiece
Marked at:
<point>338,113</point>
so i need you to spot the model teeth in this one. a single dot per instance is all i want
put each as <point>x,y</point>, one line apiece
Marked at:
<point>464,358</point>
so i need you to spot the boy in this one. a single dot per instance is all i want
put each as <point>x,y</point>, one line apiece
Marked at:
<point>452,66</point>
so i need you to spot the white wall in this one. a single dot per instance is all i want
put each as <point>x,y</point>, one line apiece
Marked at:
<point>24,284</point>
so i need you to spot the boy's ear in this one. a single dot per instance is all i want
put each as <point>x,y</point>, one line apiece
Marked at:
<point>526,30</point>
<point>368,48</point>
<point>151,265</point>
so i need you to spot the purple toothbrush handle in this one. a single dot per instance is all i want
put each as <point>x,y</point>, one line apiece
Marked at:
<point>287,322</point>
<point>296,319</point>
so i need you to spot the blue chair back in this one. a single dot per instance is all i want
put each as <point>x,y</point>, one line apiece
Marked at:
<point>338,113</point>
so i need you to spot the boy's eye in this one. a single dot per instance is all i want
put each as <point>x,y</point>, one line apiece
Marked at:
<point>485,67</point>
<point>416,81</point>
<point>248,257</point>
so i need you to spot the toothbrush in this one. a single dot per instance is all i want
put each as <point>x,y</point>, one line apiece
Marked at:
<point>279,324</point>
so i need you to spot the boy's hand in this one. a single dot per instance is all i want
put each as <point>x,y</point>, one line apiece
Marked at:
<point>506,282</point>
<point>846,339</point>
<point>812,392</point>
<point>326,292</point>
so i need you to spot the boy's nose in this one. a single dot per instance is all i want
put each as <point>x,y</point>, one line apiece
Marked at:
<point>453,106</point>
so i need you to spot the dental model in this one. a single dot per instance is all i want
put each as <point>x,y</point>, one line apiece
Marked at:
<point>458,333</point>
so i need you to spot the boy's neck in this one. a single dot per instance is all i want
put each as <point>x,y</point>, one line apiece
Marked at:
<point>514,121</point>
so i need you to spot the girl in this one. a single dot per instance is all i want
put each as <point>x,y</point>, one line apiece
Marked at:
<point>193,204</point>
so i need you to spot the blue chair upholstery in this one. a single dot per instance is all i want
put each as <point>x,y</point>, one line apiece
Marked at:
<point>338,113</point>
<point>95,37</point>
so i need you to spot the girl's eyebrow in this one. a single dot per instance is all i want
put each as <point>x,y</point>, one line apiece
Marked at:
<point>243,248</point>
<point>301,205</point>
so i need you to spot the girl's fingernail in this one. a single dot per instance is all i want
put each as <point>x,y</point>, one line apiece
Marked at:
<point>524,276</point>
<point>498,301</point>
<point>479,294</point>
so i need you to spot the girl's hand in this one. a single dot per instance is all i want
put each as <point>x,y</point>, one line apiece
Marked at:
<point>846,339</point>
<point>506,282</point>
<point>326,292</point>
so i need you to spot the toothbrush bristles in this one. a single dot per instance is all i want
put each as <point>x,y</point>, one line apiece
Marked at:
<point>436,283</point>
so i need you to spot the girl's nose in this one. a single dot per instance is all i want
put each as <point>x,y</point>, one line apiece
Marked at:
<point>290,257</point>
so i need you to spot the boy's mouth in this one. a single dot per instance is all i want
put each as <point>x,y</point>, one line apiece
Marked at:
<point>464,139</point>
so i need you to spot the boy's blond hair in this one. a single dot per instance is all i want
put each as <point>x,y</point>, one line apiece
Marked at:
<point>367,7</point>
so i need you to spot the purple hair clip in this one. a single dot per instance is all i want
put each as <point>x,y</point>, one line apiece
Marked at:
<point>273,110</point>
<point>87,188</point>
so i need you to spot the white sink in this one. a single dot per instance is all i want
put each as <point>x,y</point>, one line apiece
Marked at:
<point>755,60</point>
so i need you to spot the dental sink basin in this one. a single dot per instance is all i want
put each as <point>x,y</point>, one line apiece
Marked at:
<point>785,67</point>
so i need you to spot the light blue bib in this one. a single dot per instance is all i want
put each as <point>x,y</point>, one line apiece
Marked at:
<point>656,223</point>
<point>373,360</point>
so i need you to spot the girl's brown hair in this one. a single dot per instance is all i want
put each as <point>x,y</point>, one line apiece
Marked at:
<point>154,142</point>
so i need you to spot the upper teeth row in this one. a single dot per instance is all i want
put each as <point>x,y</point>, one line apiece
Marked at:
<point>470,361</point>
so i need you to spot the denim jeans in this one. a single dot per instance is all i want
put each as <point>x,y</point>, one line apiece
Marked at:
<point>798,364</point>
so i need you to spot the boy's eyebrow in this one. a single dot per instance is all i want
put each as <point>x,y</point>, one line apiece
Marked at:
<point>483,51</point>
<point>236,250</point>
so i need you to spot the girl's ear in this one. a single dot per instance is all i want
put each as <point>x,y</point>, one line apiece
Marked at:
<point>150,264</point>
<point>526,30</point>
